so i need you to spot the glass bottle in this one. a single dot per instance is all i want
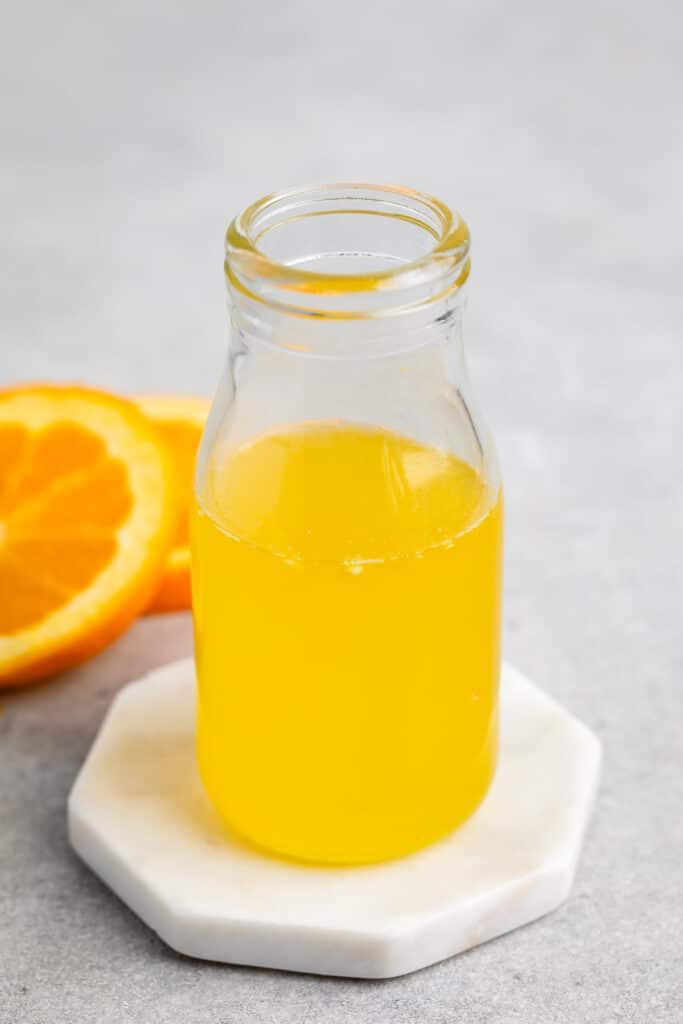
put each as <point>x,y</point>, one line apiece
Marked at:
<point>346,534</point>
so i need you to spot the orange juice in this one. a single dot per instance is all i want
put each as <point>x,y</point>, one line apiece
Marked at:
<point>346,586</point>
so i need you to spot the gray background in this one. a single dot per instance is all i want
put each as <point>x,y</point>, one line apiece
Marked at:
<point>130,133</point>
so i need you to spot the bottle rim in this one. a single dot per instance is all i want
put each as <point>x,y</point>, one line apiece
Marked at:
<point>433,275</point>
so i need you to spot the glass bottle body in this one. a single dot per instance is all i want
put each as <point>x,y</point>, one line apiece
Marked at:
<point>346,558</point>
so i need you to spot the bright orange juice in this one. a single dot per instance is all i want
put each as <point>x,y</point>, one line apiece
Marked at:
<point>347,598</point>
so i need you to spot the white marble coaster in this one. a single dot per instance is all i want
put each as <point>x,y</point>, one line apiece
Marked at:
<point>139,818</point>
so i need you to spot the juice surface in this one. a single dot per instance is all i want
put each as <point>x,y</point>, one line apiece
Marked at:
<point>346,592</point>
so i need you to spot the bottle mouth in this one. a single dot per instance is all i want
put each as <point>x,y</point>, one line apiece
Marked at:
<point>347,251</point>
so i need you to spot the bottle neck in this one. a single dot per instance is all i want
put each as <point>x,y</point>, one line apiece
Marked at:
<point>260,324</point>
<point>346,271</point>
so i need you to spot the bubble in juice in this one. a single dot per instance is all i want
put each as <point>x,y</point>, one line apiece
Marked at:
<point>347,602</point>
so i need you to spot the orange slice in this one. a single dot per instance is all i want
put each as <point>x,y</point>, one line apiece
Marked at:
<point>180,420</point>
<point>87,514</point>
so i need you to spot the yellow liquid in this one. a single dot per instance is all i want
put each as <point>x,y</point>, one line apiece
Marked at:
<point>347,601</point>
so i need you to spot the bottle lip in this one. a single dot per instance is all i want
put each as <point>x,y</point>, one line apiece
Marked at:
<point>432,275</point>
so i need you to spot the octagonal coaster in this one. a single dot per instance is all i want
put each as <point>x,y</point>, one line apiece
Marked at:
<point>138,816</point>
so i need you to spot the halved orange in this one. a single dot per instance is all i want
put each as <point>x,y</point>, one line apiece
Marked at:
<point>88,509</point>
<point>180,420</point>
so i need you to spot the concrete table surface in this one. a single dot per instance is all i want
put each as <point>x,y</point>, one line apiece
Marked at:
<point>132,132</point>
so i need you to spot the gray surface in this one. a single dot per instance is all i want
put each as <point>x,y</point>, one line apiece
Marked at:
<point>134,131</point>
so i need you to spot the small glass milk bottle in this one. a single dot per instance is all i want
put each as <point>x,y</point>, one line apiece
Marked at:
<point>346,534</point>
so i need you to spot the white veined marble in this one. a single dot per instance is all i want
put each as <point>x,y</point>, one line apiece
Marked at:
<point>139,818</point>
